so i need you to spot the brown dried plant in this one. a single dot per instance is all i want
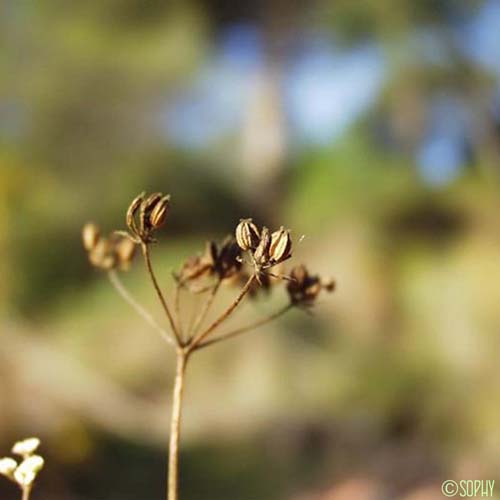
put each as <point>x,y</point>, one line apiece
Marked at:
<point>249,259</point>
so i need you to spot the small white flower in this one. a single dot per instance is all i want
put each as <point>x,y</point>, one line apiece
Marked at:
<point>7,466</point>
<point>26,447</point>
<point>26,473</point>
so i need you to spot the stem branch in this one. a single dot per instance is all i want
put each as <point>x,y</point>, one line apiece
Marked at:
<point>147,259</point>
<point>125,294</point>
<point>206,307</point>
<point>177,308</point>
<point>197,340</point>
<point>247,328</point>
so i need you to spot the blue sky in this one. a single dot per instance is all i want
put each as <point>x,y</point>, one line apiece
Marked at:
<point>325,89</point>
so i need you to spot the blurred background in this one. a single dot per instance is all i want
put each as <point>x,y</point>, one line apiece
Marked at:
<point>370,127</point>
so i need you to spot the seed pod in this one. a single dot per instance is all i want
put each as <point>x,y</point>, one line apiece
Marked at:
<point>145,210</point>
<point>228,261</point>
<point>312,290</point>
<point>247,235</point>
<point>261,254</point>
<point>102,256</point>
<point>329,285</point>
<point>281,245</point>
<point>211,253</point>
<point>147,207</point>
<point>299,275</point>
<point>125,251</point>
<point>90,236</point>
<point>303,288</point>
<point>131,212</point>
<point>159,212</point>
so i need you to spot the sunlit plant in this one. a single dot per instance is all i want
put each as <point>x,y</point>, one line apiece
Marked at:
<point>25,472</point>
<point>248,260</point>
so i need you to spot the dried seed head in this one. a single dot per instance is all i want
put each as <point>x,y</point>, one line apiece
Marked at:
<point>26,447</point>
<point>192,269</point>
<point>281,245</point>
<point>132,211</point>
<point>102,255</point>
<point>147,207</point>
<point>7,467</point>
<point>303,289</point>
<point>90,235</point>
<point>259,287</point>
<point>125,251</point>
<point>116,251</point>
<point>227,258</point>
<point>159,212</point>
<point>261,254</point>
<point>146,214</point>
<point>329,285</point>
<point>151,201</point>
<point>198,266</point>
<point>224,260</point>
<point>27,471</point>
<point>299,275</point>
<point>247,235</point>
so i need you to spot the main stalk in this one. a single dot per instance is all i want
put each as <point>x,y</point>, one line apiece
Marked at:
<point>175,426</point>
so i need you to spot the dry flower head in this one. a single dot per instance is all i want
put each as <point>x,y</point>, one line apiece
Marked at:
<point>113,252</point>
<point>145,215</point>
<point>248,260</point>
<point>304,288</point>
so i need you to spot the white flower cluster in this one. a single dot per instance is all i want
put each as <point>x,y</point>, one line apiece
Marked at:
<point>24,473</point>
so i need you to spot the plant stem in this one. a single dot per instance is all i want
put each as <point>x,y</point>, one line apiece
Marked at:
<point>206,307</point>
<point>177,308</point>
<point>225,314</point>
<point>125,294</point>
<point>247,328</point>
<point>175,427</point>
<point>26,492</point>
<point>147,259</point>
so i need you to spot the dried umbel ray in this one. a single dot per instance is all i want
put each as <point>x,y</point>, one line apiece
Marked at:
<point>26,471</point>
<point>251,260</point>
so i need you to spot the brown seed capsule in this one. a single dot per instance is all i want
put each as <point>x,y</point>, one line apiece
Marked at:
<point>281,245</point>
<point>147,207</point>
<point>303,289</point>
<point>125,251</point>
<point>131,212</point>
<point>152,200</point>
<point>228,258</point>
<point>102,255</point>
<point>198,266</point>
<point>261,254</point>
<point>159,212</point>
<point>329,285</point>
<point>90,236</point>
<point>247,235</point>
<point>299,275</point>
